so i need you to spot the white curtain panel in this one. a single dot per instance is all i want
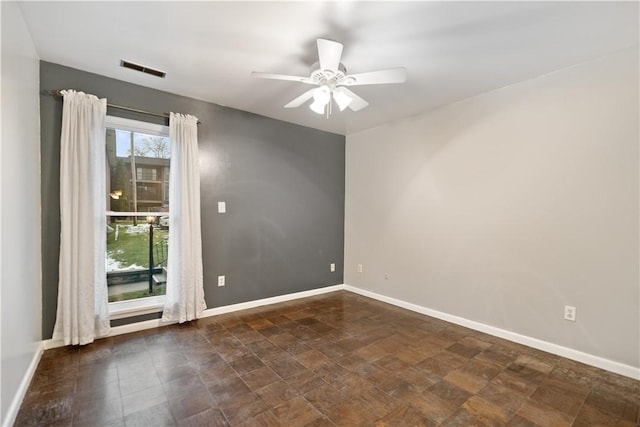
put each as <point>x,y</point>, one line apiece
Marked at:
<point>83,312</point>
<point>185,292</point>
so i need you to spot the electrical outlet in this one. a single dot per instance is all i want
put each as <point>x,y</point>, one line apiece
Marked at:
<point>220,280</point>
<point>222,207</point>
<point>569,313</point>
<point>332,267</point>
<point>359,268</point>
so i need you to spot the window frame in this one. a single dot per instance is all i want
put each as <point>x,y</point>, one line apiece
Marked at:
<point>147,305</point>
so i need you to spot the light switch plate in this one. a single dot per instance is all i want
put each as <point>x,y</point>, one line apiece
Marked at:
<point>222,207</point>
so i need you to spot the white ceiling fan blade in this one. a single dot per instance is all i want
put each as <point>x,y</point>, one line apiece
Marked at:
<point>301,99</point>
<point>393,75</point>
<point>281,77</point>
<point>357,103</point>
<point>329,54</point>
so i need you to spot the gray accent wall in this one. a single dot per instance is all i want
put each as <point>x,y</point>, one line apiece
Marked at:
<point>283,185</point>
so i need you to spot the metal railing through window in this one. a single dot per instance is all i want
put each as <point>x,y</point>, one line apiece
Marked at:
<point>137,254</point>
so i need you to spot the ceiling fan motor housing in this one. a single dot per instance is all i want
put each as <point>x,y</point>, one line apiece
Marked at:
<point>320,76</point>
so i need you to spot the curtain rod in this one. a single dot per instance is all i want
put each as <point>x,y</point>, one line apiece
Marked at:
<point>58,93</point>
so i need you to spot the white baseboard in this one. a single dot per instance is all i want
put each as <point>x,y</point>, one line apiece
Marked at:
<point>272,300</point>
<point>156,323</point>
<point>589,359</point>
<point>12,412</point>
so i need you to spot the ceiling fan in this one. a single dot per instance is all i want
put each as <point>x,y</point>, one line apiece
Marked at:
<point>331,77</point>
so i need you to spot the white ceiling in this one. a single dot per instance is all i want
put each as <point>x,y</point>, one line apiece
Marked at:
<point>451,50</point>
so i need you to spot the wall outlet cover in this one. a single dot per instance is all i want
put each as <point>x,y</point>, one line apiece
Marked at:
<point>570,313</point>
<point>221,280</point>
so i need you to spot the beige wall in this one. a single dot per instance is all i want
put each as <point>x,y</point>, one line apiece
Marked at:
<point>505,207</point>
<point>20,313</point>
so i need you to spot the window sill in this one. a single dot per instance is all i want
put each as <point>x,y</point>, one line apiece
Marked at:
<point>136,307</point>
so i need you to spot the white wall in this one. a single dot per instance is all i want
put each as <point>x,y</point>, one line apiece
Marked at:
<point>20,316</point>
<point>505,207</point>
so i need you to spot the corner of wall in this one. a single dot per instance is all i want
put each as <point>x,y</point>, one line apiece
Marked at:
<point>20,278</point>
<point>504,207</point>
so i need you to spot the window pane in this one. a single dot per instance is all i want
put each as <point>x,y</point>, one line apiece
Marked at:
<point>137,181</point>
<point>129,256</point>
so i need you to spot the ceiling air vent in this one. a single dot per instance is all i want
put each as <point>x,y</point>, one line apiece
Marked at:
<point>142,69</point>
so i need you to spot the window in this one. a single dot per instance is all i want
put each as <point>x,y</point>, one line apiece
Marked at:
<point>138,166</point>
<point>146,174</point>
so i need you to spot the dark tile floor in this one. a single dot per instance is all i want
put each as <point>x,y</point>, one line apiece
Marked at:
<point>333,359</point>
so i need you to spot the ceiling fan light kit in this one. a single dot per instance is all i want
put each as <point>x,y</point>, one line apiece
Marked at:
<point>331,77</point>
<point>321,97</point>
<point>342,99</point>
